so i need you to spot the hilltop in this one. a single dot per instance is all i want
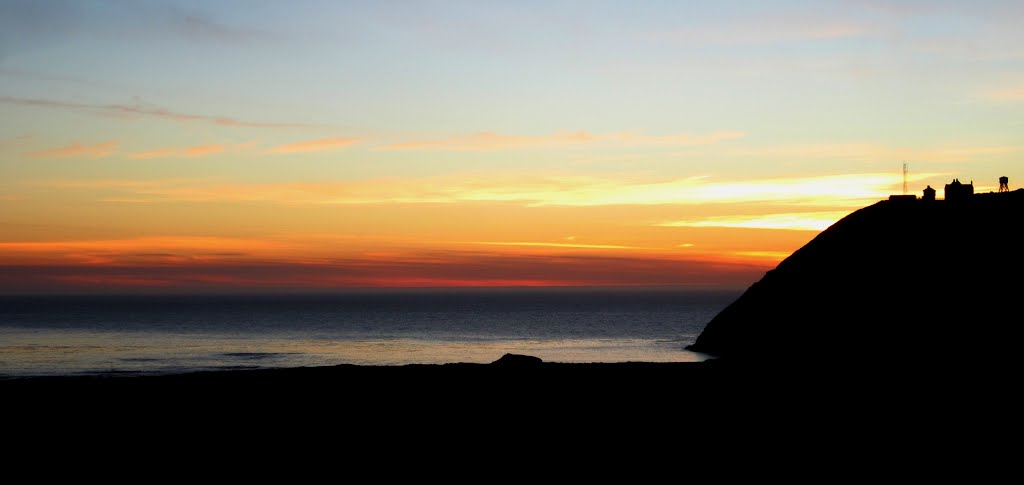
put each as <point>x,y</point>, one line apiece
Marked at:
<point>900,280</point>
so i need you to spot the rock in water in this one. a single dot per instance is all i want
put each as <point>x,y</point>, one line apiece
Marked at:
<point>517,360</point>
<point>896,281</point>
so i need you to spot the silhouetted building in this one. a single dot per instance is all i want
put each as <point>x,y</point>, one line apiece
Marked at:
<point>929,193</point>
<point>956,191</point>
<point>1004,184</point>
<point>903,198</point>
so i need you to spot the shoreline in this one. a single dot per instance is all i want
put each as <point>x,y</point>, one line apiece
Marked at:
<point>371,386</point>
<point>301,372</point>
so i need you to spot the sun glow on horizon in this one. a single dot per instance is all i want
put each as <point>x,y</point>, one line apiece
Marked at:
<point>798,221</point>
<point>373,145</point>
<point>853,190</point>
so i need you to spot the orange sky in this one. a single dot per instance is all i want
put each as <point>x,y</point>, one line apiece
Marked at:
<point>196,146</point>
<point>381,245</point>
<point>184,234</point>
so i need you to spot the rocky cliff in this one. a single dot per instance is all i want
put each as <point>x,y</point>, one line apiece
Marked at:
<point>912,280</point>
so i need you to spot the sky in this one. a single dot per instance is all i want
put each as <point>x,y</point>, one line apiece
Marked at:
<point>233,145</point>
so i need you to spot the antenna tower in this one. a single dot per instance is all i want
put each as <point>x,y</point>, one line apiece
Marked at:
<point>905,168</point>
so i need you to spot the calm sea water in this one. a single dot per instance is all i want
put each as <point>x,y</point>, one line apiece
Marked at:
<point>65,335</point>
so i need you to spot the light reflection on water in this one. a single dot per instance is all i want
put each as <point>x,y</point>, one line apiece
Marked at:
<point>164,334</point>
<point>62,352</point>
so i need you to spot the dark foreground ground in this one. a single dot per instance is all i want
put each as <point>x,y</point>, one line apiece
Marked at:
<point>448,382</point>
<point>608,414</point>
<point>459,396</point>
<point>526,384</point>
<point>641,422</point>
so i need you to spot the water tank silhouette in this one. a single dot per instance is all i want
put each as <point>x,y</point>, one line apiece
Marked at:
<point>929,193</point>
<point>1004,184</point>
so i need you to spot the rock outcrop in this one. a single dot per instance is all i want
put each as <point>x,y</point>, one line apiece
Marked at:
<point>518,360</point>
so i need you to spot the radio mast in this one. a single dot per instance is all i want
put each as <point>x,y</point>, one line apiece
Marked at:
<point>905,168</point>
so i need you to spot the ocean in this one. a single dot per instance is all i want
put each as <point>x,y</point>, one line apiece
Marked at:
<point>150,334</point>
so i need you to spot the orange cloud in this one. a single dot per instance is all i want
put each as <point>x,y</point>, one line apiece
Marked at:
<point>800,221</point>
<point>489,141</point>
<point>315,145</point>
<point>1012,95</point>
<point>164,243</point>
<point>557,245</point>
<point>186,152</point>
<point>852,190</point>
<point>164,153</point>
<point>763,257</point>
<point>111,251</point>
<point>484,141</point>
<point>451,268</point>
<point>203,150</point>
<point>682,139</point>
<point>78,150</point>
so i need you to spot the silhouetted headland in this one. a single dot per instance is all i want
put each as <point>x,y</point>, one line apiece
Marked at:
<point>908,282</point>
<point>906,292</point>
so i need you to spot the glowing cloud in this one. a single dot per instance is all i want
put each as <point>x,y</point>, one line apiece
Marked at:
<point>1012,95</point>
<point>315,145</point>
<point>162,153</point>
<point>558,245</point>
<point>676,140</point>
<point>139,109</point>
<point>78,150</point>
<point>485,141</point>
<point>186,152</point>
<point>162,249</point>
<point>873,153</point>
<point>831,190</point>
<point>204,150</point>
<point>489,141</point>
<point>800,221</point>
<point>767,256</point>
<point>126,267</point>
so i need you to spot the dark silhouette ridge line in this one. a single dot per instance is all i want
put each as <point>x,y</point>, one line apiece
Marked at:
<point>903,280</point>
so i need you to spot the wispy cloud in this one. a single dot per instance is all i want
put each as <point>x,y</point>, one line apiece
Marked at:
<point>185,262</point>
<point>203,150</point>
<point>801,221</point>
<point>139,109</point>
<point>78,150</point>
<point>831,190</point>
<point>149,245</point>
<point>185,152</point>
<point>320,145</point>
<point>484,141</point>
<point>767,256</point>
<point>866,152</point>
<point>490,141</point>
<point>162,153</point>
<point>1012,95</point>
<point>192,24</point>
<point>767,29</point>
<point>115,184</point>
<point>555,245</point>
<point>681,139</point>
